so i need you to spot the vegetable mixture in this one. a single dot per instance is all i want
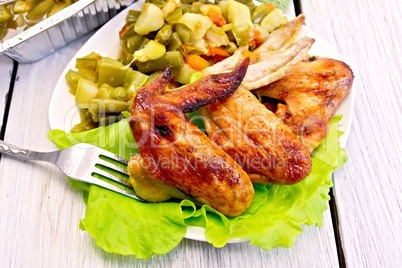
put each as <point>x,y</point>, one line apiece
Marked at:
<point>26,13</point>
<point>188,35</point>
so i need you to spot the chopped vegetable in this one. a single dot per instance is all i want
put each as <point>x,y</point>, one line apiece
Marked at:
<point>196,62</point>
<point>183,75</point>
<point>40,10</point>
<point>111,72</point>
<point>72,79</point>
<point>240,16</point>
<point>173,58</point>
<point>213,51</point>
<point>133,81</point>
<point>164,34</point>
<point>5,14</point>
<point>151,51</point>
<point>197,23</point>
<point>216,37</point>
<point>151,19</point>
<point>214,12</point>
<point>86,91</point>
<point>261,11</point>
<point>274,20</point>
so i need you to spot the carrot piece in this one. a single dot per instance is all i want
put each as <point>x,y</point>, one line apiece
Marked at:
<point>213,51</point>
<point>257,40</point>
<point>271,7</point>
<point>216,17</point>
<point>196,62</point>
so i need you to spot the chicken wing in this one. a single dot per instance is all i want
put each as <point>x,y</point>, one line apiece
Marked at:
<point>260,142</point>
<point>178,154</point>
<point>312,92</point>
<point>256,139</point>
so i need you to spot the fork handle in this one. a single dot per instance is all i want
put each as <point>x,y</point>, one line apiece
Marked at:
<point>20,152</point>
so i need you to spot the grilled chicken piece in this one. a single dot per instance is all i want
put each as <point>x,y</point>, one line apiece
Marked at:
<point>260,142</point>
<point>272,60</point>
<point>312,92</point>
<point>256,139</point>
<point>177,153</point>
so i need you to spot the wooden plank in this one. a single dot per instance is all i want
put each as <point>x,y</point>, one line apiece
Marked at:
<point>6,69</point>
<point>368,188</point>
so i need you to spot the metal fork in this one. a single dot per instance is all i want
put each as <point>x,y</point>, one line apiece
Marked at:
<point>79,162</point>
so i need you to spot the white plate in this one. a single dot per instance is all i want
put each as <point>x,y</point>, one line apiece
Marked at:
<point>64,114</point>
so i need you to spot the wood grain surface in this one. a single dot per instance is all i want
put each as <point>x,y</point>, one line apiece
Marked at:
<point>40,213</point>
<point>368,189</point>
<point>6,69</point>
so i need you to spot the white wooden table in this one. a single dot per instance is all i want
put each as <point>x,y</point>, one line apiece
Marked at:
<point>39,213</point>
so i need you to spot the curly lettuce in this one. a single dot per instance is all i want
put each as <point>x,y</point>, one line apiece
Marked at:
<point>126,226</point>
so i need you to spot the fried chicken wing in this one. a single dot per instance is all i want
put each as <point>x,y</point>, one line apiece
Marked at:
<point>312,92</point>
<point>260,142</point>
<point>177,153</point>
<point>252,135</point>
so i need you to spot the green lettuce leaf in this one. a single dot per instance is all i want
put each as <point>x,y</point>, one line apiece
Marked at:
<point>125,226</point>
<point>282,4</point>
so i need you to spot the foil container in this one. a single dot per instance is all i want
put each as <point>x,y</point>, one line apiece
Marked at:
<point>60,29</point>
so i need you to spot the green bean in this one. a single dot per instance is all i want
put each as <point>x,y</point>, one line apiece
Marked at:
<point>173,58</point>
<point>133,81</point>
<point>130,31</point>
<point>259,13</point>
<point>164,34</point>
<point>58,7</point>
<point>104,92</point>
<point>132,16</point>
<point>174,17</point>
<point>86,64</point>
<point>175,42</point>
<point>111,72</point>
<point>144,42</point>
<point>107,106</point>
<point>127,59</point>
<point>5,14</point>
<point>132,43</point>
<point>119,93</point>
<point>186,34</point>
<point>85,124</point>
<point>40,10</point>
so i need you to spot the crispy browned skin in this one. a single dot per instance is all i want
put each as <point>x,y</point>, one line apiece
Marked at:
<point>312,92</point>
<point>252,135</point>
<point>177,153</point>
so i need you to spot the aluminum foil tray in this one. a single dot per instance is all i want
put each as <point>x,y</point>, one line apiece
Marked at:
<point>60,29</point>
